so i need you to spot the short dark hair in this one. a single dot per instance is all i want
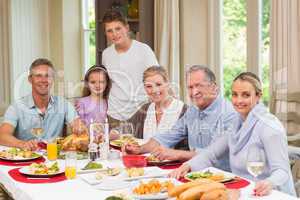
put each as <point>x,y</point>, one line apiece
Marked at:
<point>40,61</point>
<point>96,68</point>
<point>210,76</point>
<point>113,15</point>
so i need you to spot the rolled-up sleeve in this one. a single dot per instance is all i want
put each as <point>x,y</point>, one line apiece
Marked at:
<point>209,156</point>
<point>173,136</point>
<point>11,116</point>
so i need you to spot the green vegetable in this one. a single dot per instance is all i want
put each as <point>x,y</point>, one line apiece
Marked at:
<point>93,165</point>
<point>195,175</point>
<point>53,168</point>
<point>114,198</point>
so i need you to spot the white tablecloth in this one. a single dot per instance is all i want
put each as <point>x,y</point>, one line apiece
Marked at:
<point>79,190</point>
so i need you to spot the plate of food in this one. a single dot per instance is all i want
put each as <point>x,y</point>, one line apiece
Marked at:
<point>211,174</point>
<point>150,189</point>
<point>42,169</point>
<point>100,176</point>
<point>91,167</point>
<point>125,139</point>
<point>130,174</point>
<point>152,160</point>
<point>15,154</point>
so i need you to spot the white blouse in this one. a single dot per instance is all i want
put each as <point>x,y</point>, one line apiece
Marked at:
<point>168,119</point>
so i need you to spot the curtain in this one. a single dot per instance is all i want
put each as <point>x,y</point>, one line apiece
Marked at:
<point>167,39</point>
<point>285,63</point>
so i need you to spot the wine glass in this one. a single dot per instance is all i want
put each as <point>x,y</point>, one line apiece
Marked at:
<point>126,129</point>
<point>255,161</point>
<point>37,127</point>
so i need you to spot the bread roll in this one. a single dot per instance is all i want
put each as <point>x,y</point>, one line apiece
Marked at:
<point>197,191</point>
<point>177,190</point>
<point>215,194</point>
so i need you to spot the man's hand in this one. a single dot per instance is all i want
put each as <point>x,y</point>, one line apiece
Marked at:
<point>180,172</point>
<point>31,145</point>
<point>163,153</point>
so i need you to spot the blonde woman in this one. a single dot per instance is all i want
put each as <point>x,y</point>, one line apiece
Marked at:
<point>255,127</point>
<point>164,109</point>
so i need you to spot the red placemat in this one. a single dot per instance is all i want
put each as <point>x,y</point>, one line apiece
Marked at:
<point>17,176</point>
<point>21,163</point>
<point>237,183</point>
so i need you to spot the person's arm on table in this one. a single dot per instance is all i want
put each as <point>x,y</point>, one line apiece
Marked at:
<point>145,148</point>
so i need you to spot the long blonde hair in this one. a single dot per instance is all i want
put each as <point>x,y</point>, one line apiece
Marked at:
<point>252,79</point>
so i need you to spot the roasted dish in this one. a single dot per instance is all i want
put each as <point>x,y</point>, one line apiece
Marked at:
<point>75,143</point>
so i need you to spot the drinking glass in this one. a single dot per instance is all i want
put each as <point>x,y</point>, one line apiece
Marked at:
<point>52,150</point>
<point>70,164</point>
<point>255,161</point>
<point>126,129</point>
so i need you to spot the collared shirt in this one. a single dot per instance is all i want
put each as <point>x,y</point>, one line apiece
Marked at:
<point>201,127</point>
<point>24,115</point>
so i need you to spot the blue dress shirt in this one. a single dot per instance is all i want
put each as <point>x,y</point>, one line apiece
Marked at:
<point>201,127</point>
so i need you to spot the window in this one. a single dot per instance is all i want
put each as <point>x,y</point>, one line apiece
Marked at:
<point>89,33</point>
<point>235,42</point>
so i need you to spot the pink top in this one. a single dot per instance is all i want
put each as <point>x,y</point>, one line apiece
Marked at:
<point>90,110</point>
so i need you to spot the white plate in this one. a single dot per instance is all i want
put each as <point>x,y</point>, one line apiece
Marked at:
<point>227,176</point>
<point>157,196</point>
<point>17,158</point>
<point>26,171</point>
<point>149,172</point>
<point>113,184</point>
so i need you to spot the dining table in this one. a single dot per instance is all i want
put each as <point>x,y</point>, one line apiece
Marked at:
<point>80,189</point>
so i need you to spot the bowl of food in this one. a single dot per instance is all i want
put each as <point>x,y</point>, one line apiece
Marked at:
<point>134,161</point>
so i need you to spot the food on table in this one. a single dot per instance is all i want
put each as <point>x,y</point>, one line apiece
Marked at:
<point>125,139</point>
<point>134,172</point>
<point>114,198</point>
<point>99,176</point>
<point>118,197</point>
<point>154,186</point>
<point>152,158</point>
<point>79,155</point>
<point>207,174</point>
<point>15,153</point>
<point>93,165</point>
<point>76,142</point>
<point>113,171</point>
<point>201,189</point>
<point>44,168</point>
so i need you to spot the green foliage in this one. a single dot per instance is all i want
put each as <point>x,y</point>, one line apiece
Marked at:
<point>234,40</point>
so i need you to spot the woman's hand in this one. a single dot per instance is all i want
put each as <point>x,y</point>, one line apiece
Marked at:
<point>131,149</point>
<point>263,188</point>
<point>180,172</point>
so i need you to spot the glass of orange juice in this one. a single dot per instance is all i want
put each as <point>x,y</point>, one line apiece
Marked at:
<point>70,165</point>
<point>52,150</point>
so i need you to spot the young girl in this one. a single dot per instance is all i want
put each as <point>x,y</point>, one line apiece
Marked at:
<point>92,107</point>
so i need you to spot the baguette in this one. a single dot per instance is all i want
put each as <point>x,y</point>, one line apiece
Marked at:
<point>177,190</point>
<point>197,191</point>
<point>215,194</point>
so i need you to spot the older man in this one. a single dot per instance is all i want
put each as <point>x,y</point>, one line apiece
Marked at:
<point>209,117</point>
<point>38,115</point>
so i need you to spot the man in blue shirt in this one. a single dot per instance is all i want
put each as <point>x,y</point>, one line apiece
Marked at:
<point>208,118</point>
<point>38,116</point>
